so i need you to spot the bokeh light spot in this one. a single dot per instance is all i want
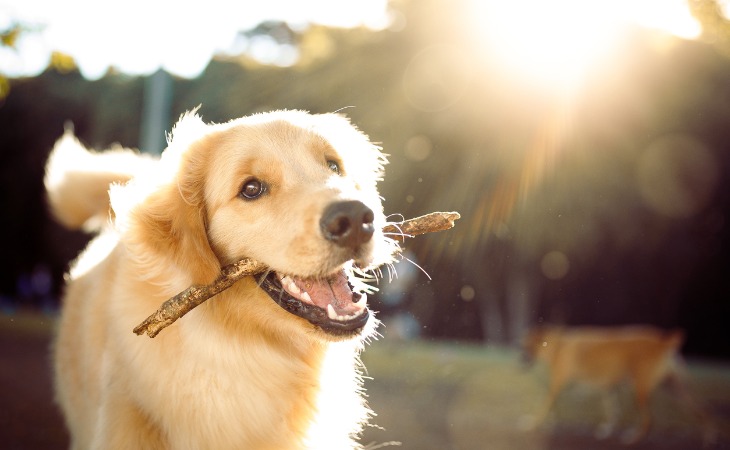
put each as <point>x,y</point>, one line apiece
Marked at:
<point>555,265</point>
<point>467,293</point>
<point>418,148</point>
<point>677,176</point>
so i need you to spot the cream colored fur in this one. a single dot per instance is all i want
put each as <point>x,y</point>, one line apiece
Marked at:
<point>238,372</point>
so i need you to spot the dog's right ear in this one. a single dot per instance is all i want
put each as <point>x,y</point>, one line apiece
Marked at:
<point>165,224</point>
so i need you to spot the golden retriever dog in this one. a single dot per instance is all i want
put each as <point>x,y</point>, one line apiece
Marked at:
<point>644,356</point>
<point>270,363</point>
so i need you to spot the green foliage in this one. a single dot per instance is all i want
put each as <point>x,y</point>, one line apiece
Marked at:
<point>9,37</point>
<point>62,62</point>
<point>4,87</point>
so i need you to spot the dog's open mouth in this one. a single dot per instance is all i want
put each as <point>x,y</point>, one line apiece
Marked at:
<point>329,303</point>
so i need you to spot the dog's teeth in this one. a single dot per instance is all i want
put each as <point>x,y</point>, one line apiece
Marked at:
<point>305,296</point>
<point>291,286</point>
<point>331,312</point>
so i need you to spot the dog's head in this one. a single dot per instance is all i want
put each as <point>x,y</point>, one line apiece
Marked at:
<point>537,343</point>
<point>294,191</point>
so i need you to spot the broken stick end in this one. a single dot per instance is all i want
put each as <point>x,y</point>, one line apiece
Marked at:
<point>150,327</point>
<point>141,329</point>
<point>452,217</point>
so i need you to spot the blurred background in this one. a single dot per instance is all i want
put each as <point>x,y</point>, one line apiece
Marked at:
<point>586,145</point>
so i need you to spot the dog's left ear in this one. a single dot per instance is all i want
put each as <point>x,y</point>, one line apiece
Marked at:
<point>173,228</point>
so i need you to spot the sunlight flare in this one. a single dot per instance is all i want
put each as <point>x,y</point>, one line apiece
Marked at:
<point>556,42</point>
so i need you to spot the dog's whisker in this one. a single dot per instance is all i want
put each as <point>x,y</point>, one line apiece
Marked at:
<point>378,274</point>
<point>343,108</point>
<point>383,445</point>
<point>400,232</point>
<point>392,272</point>
<point>262,277</point>
<point>419,267</point>
<point>400,235</point>
<point>401,216</point>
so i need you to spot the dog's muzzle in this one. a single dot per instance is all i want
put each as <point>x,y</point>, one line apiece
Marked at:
<point>329,302</point>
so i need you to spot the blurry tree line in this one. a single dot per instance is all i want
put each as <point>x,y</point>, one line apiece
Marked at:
<point>606,207</point>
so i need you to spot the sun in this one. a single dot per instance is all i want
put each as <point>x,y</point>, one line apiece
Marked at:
<point>548,41</point>
<point>555,42</point>
<point>557,46</point>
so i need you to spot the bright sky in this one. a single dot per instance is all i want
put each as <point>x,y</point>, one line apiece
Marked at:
<point>551,38</point>
<point>556,41</point>
<point>140,36</point>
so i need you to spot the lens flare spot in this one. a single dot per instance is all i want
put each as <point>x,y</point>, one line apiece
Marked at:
<point>467,293</point>
<point>555,265</point>
<point>418,148</point>
<point>677,176</point>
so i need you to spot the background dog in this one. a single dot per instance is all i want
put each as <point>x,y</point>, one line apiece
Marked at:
<point>271,363</point>
<point>644,356</point>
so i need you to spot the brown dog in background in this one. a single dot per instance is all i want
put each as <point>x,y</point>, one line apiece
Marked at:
<point>645,356</point>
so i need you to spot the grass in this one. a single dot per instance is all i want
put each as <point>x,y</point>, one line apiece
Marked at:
<point>460,396</point>
<point>452,396</point>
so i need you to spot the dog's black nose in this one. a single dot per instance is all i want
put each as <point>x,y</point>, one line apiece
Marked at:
<point>348,224</point>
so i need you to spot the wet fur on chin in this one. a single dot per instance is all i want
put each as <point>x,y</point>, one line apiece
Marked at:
<point>237,371</point>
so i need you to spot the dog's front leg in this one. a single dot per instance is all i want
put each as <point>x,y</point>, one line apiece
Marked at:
<point>123,426</point>
<point>610,414</point>
<point>634,435</point>
<point>557,382</point>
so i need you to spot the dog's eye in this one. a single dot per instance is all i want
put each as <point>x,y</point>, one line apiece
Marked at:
<point>252,188</point>
<point>334,166</point>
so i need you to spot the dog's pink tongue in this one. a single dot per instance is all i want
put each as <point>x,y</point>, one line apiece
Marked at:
<point>334,291</point>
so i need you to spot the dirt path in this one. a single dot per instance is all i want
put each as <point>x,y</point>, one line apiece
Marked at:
<point>28,417</point>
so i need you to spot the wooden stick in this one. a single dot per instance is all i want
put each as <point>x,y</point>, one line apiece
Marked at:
<point>185,301</point>
<point>429,223</point>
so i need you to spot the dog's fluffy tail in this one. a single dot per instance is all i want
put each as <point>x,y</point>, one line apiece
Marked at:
<point>77,181</point>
